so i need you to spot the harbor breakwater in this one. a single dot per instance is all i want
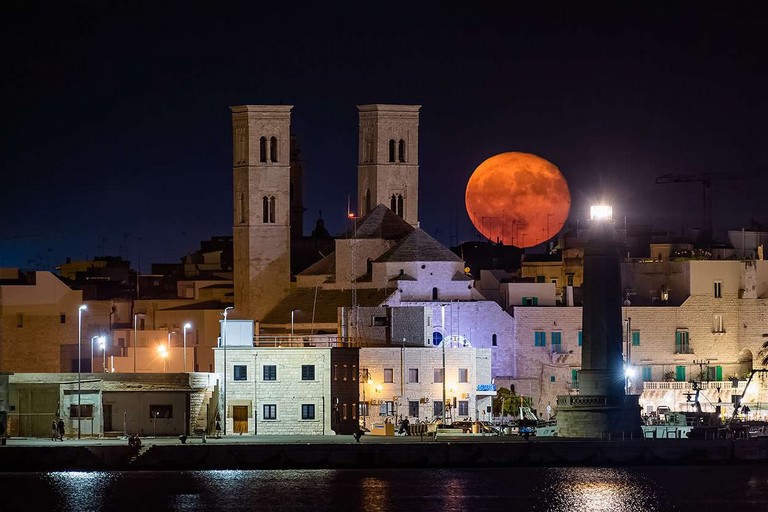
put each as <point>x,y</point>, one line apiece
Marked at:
<point>435,454</point>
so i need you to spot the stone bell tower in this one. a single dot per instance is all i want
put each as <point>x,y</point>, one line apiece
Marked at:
<point>601,408</point>
<point>388,160</point>
<point>261,226</point>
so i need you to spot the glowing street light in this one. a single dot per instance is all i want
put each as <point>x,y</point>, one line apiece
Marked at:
<point>162,352</point>
<point>186,326</point>
<point>601,212</point>
<point>80,310</point>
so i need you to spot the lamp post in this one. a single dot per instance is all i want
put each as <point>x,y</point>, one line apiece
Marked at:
<point>292,312</point>
<point>135,338</point>
<point>224,342</point>
<point>442,323</point>
<point>101,345</point>
<point>186,326</point>
<point>80,310</point>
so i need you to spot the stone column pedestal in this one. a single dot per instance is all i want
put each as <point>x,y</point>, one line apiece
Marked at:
<point>599,416</point>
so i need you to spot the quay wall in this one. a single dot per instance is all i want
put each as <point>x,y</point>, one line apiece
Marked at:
<point>379,455</point>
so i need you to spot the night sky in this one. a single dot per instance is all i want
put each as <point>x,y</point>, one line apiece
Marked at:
<point>116,130</point>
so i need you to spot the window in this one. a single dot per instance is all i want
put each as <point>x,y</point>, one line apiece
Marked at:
<point>367,202</point>
<point>463,375</point>
<point>162,411</point>
<point>307,372</point>
<point>579,338</point>
<point>85,411</point>
<point>647,374</point>
<point>273,149</point>
<point>263,149</point>
<point>530,301</point>
<point>362,408</point>
<point>437,408</point>
<point>62,318</point>
<point>240,372</point>
<point>434,294</point>
<point>718,289</point>
<point>437,338</point>
<point>270,412</point>
<point>307,411</point>
<point>717,323</point>
<point>438,376</point>
<point>270,372</point>
<point>635,338</point>
<point>493,340</point>
<point>574,379</point>
<point>272,209</point>
<point>388,375</point>
<point>551,378</point>
<point>569,279</point>
<point>401,151</point>
<point>463,408</point>
<point>400,209</point>
<point>713,373</point>
<point>264,209</point>
<point>387,408</point>
<point>413,375</point>
<point>680,373</point>
<point>379,321</point>
<point>539,339</point>
<point>682,345</point>
<point>557,341</point>
<point>413,408</point>
<point>541,279</point>
<point>392,152</point>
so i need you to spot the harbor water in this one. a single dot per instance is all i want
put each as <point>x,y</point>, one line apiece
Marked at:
<point>741,487</point>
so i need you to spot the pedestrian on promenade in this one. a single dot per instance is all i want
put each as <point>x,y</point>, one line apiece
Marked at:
<point>60,426</point>
<point>54,430</point>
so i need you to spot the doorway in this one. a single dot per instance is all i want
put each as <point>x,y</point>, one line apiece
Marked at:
<point>107,417</point>
<point>240,419</point>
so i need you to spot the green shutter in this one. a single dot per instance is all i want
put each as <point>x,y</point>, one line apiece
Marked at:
<point>635,338</point>
<point>556,337</point>
<point>719,373</point>
<point>574,378</point>
<point>647,374</point>
<point>680,373</point>
<point>580,339</point>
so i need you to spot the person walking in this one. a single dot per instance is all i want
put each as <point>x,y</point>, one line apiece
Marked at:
<point>60,427</point>
<point>54,430</point>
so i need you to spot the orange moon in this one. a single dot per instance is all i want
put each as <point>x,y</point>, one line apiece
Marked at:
<point>519,199</point>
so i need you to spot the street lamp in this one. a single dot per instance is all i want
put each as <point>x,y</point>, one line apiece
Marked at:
<point>224,342</point>
<point>103,347</point>
<point>292,312</point>
<point>442,324</point>
<point>135,338</point>
<point>80,310</point>
<point>163,354</point>
<point>186,326</point>
<point>101,344</point>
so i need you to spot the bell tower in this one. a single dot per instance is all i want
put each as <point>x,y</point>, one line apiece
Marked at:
<point>261,225</point>
<point>388,161</point>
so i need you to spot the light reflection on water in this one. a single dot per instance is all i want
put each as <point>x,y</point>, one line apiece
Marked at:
<point>538,489</point>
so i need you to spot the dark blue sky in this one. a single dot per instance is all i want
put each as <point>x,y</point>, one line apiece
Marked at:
<point>116,127</point>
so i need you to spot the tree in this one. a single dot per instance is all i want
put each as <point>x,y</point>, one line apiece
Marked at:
<point>763,354</point>
<point>510,402</point>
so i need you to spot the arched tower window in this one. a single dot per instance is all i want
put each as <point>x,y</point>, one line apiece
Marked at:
<point>393,203</point>
<point>273,149</point>
<point>401,151</point>
<point>434,294</point>
<point>399,205</point>
<point>242,208</point>
<point>265,209</point>
<point>391,150</point>
<point>272,209</point>
<point>493,340</point>
<point>263,149</point>
<point>368,201</point>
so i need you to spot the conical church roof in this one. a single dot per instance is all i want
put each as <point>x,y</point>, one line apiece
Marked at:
<point>418,246</point>
<point>381,223</point>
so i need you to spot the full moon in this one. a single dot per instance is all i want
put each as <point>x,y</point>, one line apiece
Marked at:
<point>518,199</point>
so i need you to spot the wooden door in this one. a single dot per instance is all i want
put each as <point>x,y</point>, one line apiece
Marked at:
<point>240,419</point>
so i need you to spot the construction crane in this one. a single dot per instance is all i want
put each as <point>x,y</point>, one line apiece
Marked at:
<point>706,180</point>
